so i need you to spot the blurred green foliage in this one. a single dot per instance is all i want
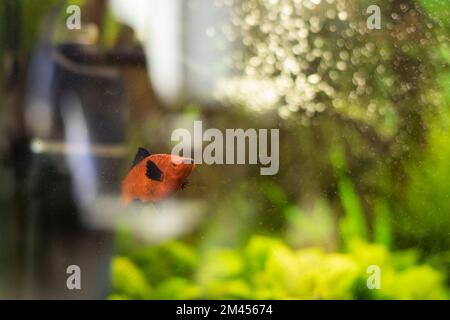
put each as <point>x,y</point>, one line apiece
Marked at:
<point>353,222</point>
<point>360,184</point>
<point>427,200</point>
<point>293,263</point>
<point>266,268</point>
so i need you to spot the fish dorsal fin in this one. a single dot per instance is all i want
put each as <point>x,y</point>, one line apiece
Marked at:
<point>153,172</point>
<point>141,154</point>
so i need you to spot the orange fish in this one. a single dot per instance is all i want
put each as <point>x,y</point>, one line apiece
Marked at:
<point>154,177</point>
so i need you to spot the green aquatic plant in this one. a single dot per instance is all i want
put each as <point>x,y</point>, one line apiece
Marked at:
<point>267,268</point>
<point>353,223</point>
<point>128,280</point>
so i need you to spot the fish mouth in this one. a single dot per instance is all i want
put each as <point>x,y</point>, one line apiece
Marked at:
<point>185,172</point>
<point>185,161</point>
<point>188,169</point>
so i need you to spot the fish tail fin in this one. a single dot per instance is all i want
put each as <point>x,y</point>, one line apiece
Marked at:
<point>126,196</point>
<point>126,199</point>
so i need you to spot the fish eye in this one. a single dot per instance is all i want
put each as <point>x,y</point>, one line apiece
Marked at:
<point>174,164</point>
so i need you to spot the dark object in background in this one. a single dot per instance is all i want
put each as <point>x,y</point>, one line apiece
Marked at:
<point>57,231</point>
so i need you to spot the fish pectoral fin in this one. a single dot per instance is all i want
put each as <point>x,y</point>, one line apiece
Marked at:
<point>141,154</point>
<point>153,172</point>
<point>184,184</point>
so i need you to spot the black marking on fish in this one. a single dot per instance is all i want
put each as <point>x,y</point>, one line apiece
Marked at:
<point>153,172</point>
